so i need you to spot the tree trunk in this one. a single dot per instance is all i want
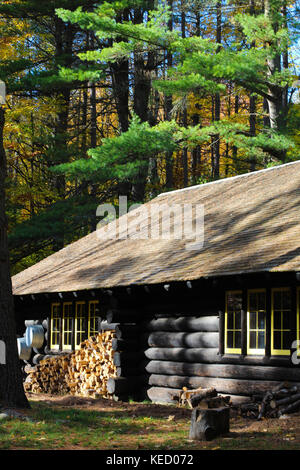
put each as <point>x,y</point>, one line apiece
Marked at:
<point>11,388</point>
<point>215,170</point>
<point>208,424</point>
<point>275,92</point>
<point>168,108</point>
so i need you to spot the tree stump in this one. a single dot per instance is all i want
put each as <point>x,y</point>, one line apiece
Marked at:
<point>208,424</point>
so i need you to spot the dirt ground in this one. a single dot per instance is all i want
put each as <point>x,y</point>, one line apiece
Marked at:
<point>244,433</point>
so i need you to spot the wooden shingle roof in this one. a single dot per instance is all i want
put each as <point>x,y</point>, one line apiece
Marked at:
<point>251,224</point>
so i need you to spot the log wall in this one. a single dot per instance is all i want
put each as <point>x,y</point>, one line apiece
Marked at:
<point>166,339</point>
<point>191,358</point>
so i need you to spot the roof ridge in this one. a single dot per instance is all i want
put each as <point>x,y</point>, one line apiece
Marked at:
<point>222,180</point>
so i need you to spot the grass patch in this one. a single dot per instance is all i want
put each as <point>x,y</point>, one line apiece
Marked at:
<point>135,426</point>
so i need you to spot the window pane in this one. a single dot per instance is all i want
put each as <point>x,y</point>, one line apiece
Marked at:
<point>277,339</point>
<point>229,339</point>
<point>238,320</point>
<point>286,299</point>
<point>286,340</point>
<point>277,300</point>
<point>238,339</point>
<point>286,320</point>
<point>261,340</point>
<point>261,301</point>
<point>252,302</point>
<point>230,321</point>
<point>277,320</point>
<point>252,320</point>
<point>261,320</point>
<point>234,301</point>
<point>253,340</point>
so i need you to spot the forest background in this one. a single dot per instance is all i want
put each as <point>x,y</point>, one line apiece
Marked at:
<point>138,97</point>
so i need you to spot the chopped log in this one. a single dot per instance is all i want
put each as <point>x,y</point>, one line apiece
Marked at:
<point>83,372</point>
<point>290,408</point>
<point>266,400</point>
<point>198,397</point>
<point>284,401</point>
<point>183,340</point>
<point>205,323</point>
<point>38,358</point>
<point>244,407</point>
<point>284,392</point>
<point>208,424</point>
<point>200,392</point>
<point>217,402</point>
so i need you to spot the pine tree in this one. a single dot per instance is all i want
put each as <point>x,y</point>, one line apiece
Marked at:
<point>204,68</point>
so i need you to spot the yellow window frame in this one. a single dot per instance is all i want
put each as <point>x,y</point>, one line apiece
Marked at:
<point>256,351</point>
<point>54,327</point>
<point>230,350</point>
<point>278,352</point>
<point>79,318</point>
<point>67,328</point>
<point>92,318</point>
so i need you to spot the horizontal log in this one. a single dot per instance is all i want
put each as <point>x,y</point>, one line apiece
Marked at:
<point>128,372</point>
<point>223,370</point>
<point>205,355</point>
<point>121,385</point>
<point>256,360</point>
<point>163,395</point>
<point>290,408</point>
<point>122,331</point>
<point>183,340</point>
<point>122,316</point>
<point>284,401</point>
<point>203,323</point>
<point>213,356</point>
<point>227,386</point>
<point>127,359</point>
<point>124,345</point>
<point>171,395</point>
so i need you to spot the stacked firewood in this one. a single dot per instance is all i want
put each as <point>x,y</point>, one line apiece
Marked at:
<point>283,399</point>
<point>203,398</point>
<point>84,372</point>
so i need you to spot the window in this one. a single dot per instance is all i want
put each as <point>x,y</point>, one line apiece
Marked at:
<point>233,331</point>
<point>281,321</point>
<point>67,326</point>
<point>55,326</point>
<point>80,323</point>
<point>93,318</point>
<point>256,321</point>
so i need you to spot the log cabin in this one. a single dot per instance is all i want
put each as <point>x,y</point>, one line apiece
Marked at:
<point>223,315</point>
